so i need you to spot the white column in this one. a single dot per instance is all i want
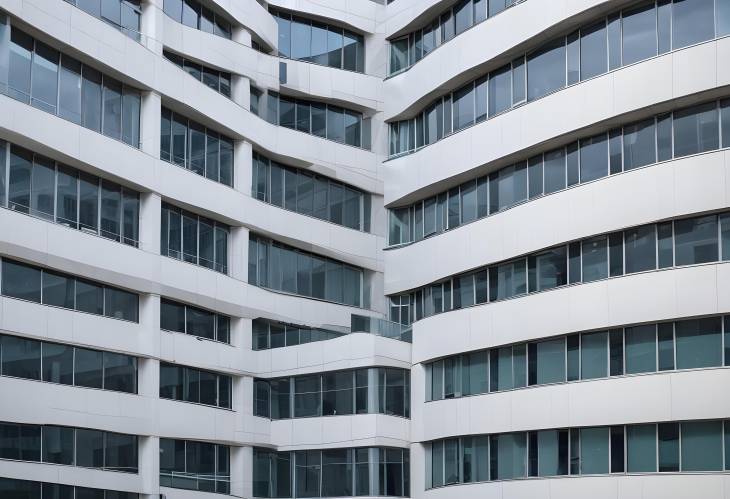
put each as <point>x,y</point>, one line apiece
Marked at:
<point>242,461</point>
<point>239,253</point>
<point>243,164</point>
<point>149,465</point>
<point>149,320</point>
<point>241,91</point>
<point>241,35</point>
<point>149,222</point>
<point>150,116</point>
<point>151,25</point>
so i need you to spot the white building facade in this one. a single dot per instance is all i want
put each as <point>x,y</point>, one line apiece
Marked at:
<point>282,250</point>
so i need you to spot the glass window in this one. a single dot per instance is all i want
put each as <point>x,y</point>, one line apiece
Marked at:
<point>701,446</point>
<point>88,368</point>
<point>549,362</point>
<point>692,22</point>
<point>307,473</point>
<point>89,297</point>
<point>595,258</point>
<point>334,47</point>
<point>21,358</point>
<point>307,396</point>
<point>699,343</point>
<point>112,119</point>
<point>45,78</point>
<point>695,240</point>
<point>639,34</point>
<point>508,455</point>
<point>21,166</point>
<point>120,452</point>
<point>594,451</point>
<point>337,471</point>
<point>500,90</point>
<point>594,355</point>
<point>58,363</point>
<point>696,130</point>
<point>463,107</point>
<point>593,158</point>
<point>67,197</point>
<point>19,65</point>
<point>554,171</point>
<point>58,290</point>
<point>641,349</point>
<point>641,448</point>
<point>593,50</point>
<point>89,448</point>
<point>640,249</point>
<point>121,304</point>
<point>120,372</point>
<point>552,452</point>
<point>463,16</point>
<point>57,445</point>
<point>639,144</point>
<point>335,123</point>
<point>91,99</point>
<point>546,69</point>
<point>21,281</point>
<point>352,45</point>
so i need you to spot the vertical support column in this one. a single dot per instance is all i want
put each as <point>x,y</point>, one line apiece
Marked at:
<point>241,91</point>
<point>243,163</point>
<point>149,222</point>
<point>149,320</point>
<point>241,35</point>
<point>239,253</point>
<point>151,115</point>
<point>151,25</point>
<point>242,477</point>
<point>149,466</point>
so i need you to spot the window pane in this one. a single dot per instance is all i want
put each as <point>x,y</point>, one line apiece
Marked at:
<point>58,445</point>
<point>641,448</point>
<point>641,349</point>
<point>349,53</point>
<point>89,297</point>
<point>696,129</point>
<point>500,90</point>
<point>21,165</point>
<point>111,205</point>
<point>91,103</point>
<point>593,158</point>
<point>334,47</point>
<point>702,446</point>
<point>593,50</point>
<point>594,355</point>
<point>58,363</point>
<point>89,448</point>
<point>554,171</point>
<point>112,108</point>
<point>120,372</point>
<point>88,203</point>
<point>692,22</point>
<point>552,453</point>
<point>88,368</point>
<point>464,107</point>
<point>21,358</point>
<point>335,123</point>
<point>640,249</point>
<point>45,78</point>
<point>594,450</point>
<point>695,240</point>
<point>510,452</point>
<point>307,472</point>
<point>121,304</point>
<point>21,281</point>
<point>19,65</point>
<point>699,343</point>
<point>639,34</point>
<point>546,70</point>
<point>58,290</point>
<point>639,144</point>
<point>120,452</point>
<point>67,197</point>
<point>595,259</point>
<point>550,361</point>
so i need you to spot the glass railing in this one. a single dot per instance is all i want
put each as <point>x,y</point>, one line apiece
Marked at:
<point>381,327</point>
